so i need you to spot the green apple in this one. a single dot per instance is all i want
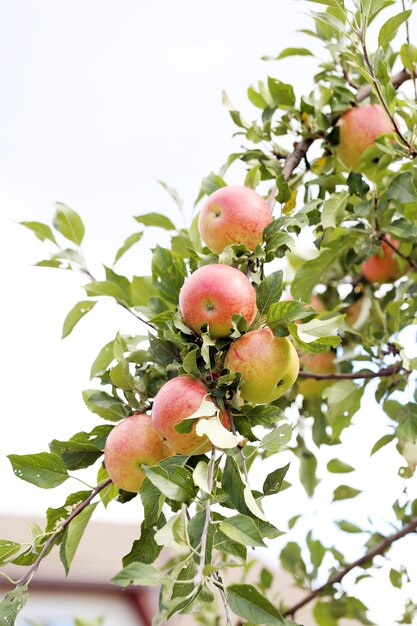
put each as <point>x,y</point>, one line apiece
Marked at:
<point>269,365</point>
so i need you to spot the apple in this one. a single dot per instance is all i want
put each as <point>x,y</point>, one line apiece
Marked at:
<point>179,398</point>
<point>359,128</point>
<point>384,268</point>
<point>212,295</point>
<point>132,443</point>
<point>322,363</point>
<point>269,365</point>
<point>233,215</point>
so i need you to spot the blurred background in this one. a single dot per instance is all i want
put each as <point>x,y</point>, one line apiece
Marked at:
<point>99,100</point>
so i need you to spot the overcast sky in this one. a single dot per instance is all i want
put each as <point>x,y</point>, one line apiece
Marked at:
<point>99,99</point>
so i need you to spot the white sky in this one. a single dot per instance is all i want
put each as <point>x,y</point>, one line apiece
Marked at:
<point>98,100</point>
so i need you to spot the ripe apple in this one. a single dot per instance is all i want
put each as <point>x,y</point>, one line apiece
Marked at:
<point>269,365</point>
<point>385,268</point>
<point>212,295</point>
<point>233,215</point>
<point>322,363</point>
<point>132,443</point>
<point>179,398</point>
<point>359,128</point>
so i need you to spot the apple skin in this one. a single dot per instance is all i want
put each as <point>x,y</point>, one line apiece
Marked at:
<point>322,363</point>
<point>132,443</point>
<point>359,127</point>
<point>385,268</point>
<point>179,398</point>
<point>233,215</point>
<point>212,295</point>
<point>264,361</point>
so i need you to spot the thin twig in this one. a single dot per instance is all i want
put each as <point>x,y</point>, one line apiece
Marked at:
<point>218,579</point>
<point>409,260</point>
<point>382,373</point>
<point>27,577</point>
<point>382,100</point>
<point>407,35</point>
<point>379,549</point>
<point>210,480</point>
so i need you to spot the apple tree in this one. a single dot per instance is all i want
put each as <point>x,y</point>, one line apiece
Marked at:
<point>253,349</point>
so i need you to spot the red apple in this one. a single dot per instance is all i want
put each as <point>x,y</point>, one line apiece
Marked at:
<point>212,295</point>
<point>269,365</point>
<point>132,443</point>
<point>233,215</point>
<point>385,268</point>
<point>322,363</point>
<point>179,398</point>
<point>359,128</point>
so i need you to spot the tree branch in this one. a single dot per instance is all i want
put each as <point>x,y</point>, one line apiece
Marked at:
<point>302,148</point>
<point>409,260</point>
<point>27,577</point>
<point>219,584</point>
<point>379,549</point>
<point>382,373</point>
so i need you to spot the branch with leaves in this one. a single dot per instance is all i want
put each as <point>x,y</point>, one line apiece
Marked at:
<point>392,370</point>
<point>365,559</point>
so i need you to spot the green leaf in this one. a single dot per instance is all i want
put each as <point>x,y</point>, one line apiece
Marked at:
<point>142,289</point>
<point>248,603</point>
<point>343,492</point>
<point>269,291</point>
<point>308,467</point>
<point>313,272</point>
<point>273,481</point>
<point>137,574</point>
<point>265,415</point>
<point>42,231</point>
<point>402,188</point>
<point>155,219</point>
<point>105,405</point>
<point>242,529</point>
<point>83,449</point>
<point>74,316</point>
<point>290,52</point>
<point>168,272</point>
<point>334,209</point>
<point>408,53</point>
<point>307,336</point>
<point>152,501</point>
<point>129,242</point>
<point>390,29</point>
<point>283,313</point>
<point>408,422</point>
<point>343,399</point>
<point>173,193</point>
<point>102,360</point>
<point>7,550</point>
<point>73,534</point>
<point>68,223</point>
<point>176,484</point>
<point>279,437</point>
<point>348,527</point>
<point>145,549</point>
<point>105,288</point>
<point>383,441</point>
<point>253,177</point>
<point>233,486</point>
<point>11,605</point>
<point>357,185</point>
<point>282,93</point>
<point>44,469</point>
<point>336,466</point>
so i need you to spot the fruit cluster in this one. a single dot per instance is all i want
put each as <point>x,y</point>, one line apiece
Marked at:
<point>209,299</point>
